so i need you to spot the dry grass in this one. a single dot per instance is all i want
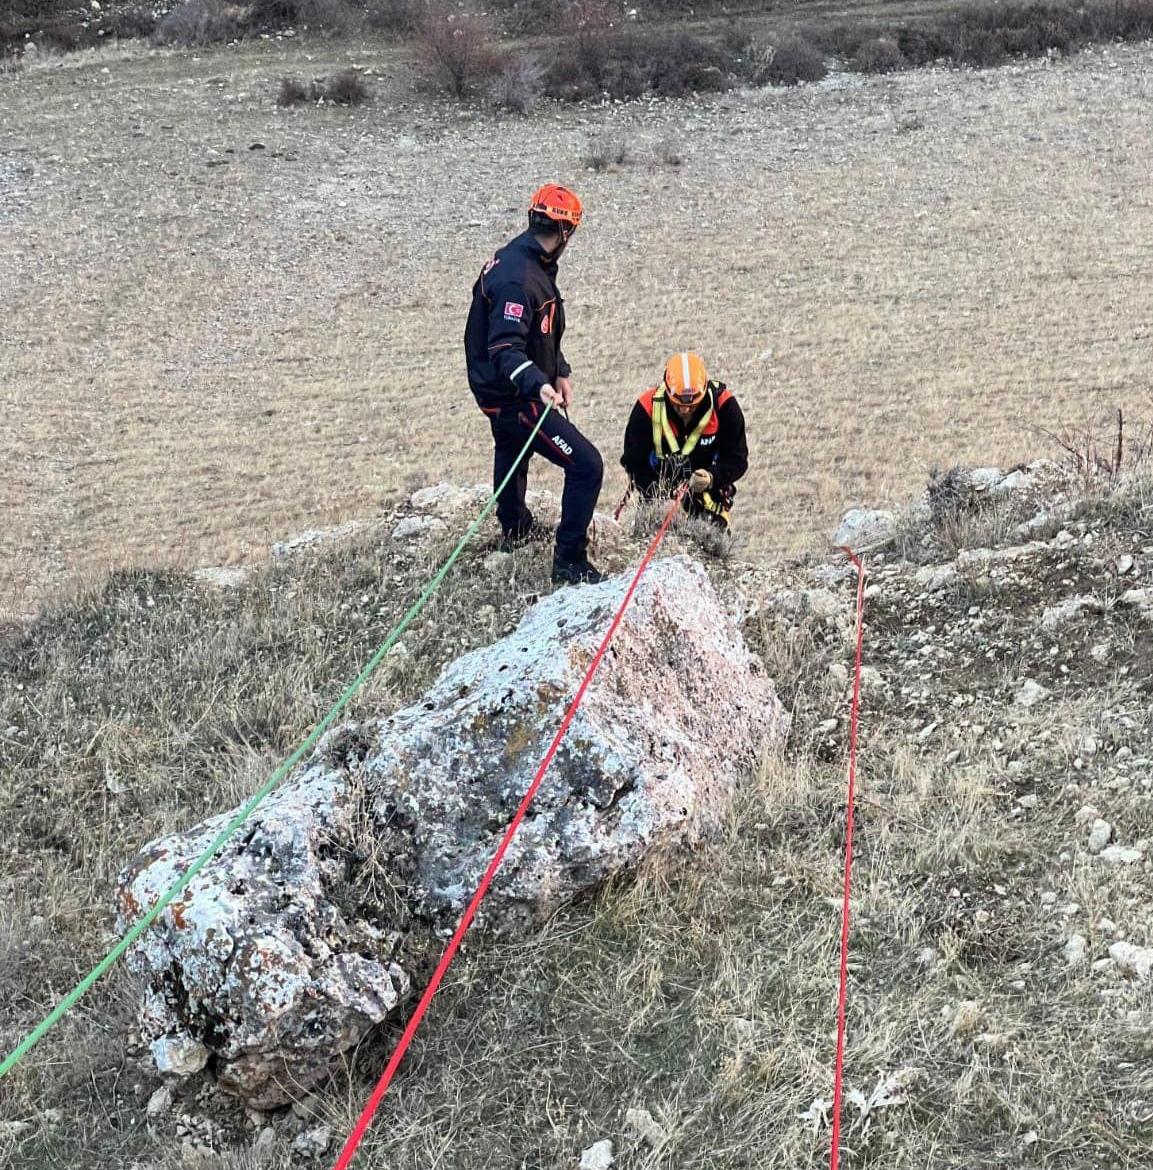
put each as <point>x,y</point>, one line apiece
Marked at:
<point>916,290</point>
<point>703,992</point>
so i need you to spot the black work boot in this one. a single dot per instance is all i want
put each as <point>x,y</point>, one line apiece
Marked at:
<point>530,533</point>
<point>575,572</point>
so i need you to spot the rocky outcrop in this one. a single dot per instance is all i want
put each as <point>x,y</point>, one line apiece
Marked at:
<point>295,940</point>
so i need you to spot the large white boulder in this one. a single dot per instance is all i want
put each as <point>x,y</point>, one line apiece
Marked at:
<point>296,940</point>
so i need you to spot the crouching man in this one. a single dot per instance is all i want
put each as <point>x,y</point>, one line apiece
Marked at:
<point>687,428</point>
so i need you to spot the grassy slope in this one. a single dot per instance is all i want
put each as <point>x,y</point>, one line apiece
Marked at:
<point>704,993</point>
<point>894,240</point>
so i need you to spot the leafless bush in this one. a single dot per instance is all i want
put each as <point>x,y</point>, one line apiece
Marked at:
<point>294,92</point>
<point>518,87</point>
<point>325,16</point>
<point>880,55</point>
<point>346,88</point>
<point>669,153</point>
<point>458,52</point>
<point>1104,451</point>
<point>199,22</point>
<point>790,60</point>
<point>398,17</point>
<point>606,152</point>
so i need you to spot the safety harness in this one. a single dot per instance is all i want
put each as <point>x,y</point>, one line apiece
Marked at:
<point>667,446</point>
<point>663,431</point>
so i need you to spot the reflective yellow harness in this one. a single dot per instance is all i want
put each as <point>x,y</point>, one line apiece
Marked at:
<point>664,436</point>
<point>663,430</point>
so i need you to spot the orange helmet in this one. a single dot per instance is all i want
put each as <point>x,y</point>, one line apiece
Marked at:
<point>686,379</point>
<point>558,204</point>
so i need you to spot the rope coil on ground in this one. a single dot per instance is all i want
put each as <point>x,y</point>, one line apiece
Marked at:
<point>369,1112</point>
<point>145,921</point>
<point>843,987</point>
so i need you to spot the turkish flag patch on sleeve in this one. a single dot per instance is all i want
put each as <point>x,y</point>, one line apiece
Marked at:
<point>513,311</point>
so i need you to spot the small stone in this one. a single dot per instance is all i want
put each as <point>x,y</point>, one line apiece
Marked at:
<point>1136,599</point>
<point>1124,564</point>
<point>967,1019</point>
<point>1089,746</point>
<point>936,577</point>
<point>160,1102</point>
<point>1107,926</point>
<point>1122,855</point>
<point>1031,1138</point>
<point>827,727</point>
<point>412,527</point>
<point>220,577</point>
<point>598,1156</point>
<point>1086,814</point>
<point>1133,960</point>
<point>1048,898</point>
<point>180,1055</point>
<point>1067,611</point>
<point>1029,800</point>
<point>1030,694</point>
<point>839,673</point>
<point>983,478</point>
<point>645,1126</point>
<point>1015,481</point>
<point>1100,834</point>
<point>312,1143</point>
<point>863,527</point>
<point>1076,950</point>
<point>264,1147</point>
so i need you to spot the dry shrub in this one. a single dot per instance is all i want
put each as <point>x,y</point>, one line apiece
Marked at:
<point>398,17</point>
<point>791,60</point>
<point>314,15</point>
<point>518,87</point>
<point>457,50</point>
<point>199,22</point>
<point>606,152</point>
<point>600,60</point>
<point>880,55</point>
<point>669,153</point>
<point>294,92</point>
<point>130,24</point>
<point>346,88</point>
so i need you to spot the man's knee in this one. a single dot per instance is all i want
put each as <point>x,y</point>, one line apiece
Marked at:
<point>594,465</point>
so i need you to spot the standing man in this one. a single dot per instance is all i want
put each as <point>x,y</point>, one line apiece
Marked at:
<point>688,428</point>
<point>515,365</point>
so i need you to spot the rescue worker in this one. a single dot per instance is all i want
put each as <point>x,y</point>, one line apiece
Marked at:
<point>515,365</point>
<point>690,428</point>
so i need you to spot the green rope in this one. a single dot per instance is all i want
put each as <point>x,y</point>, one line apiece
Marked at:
<point>117,952</point>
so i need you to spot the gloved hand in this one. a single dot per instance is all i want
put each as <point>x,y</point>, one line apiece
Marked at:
<point>700,481</point>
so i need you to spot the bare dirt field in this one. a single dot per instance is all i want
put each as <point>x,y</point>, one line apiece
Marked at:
<point>207,345</point>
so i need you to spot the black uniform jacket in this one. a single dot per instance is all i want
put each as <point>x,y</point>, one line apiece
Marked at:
<point>512,341</point>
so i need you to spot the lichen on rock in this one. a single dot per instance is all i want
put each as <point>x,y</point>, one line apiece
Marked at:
<point>292,943</point>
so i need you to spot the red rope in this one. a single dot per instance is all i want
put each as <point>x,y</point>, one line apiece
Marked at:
<point>843,993</point>
<point>365,1120</point>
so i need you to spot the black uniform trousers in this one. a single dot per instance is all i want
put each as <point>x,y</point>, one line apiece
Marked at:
<point>560,443</point>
